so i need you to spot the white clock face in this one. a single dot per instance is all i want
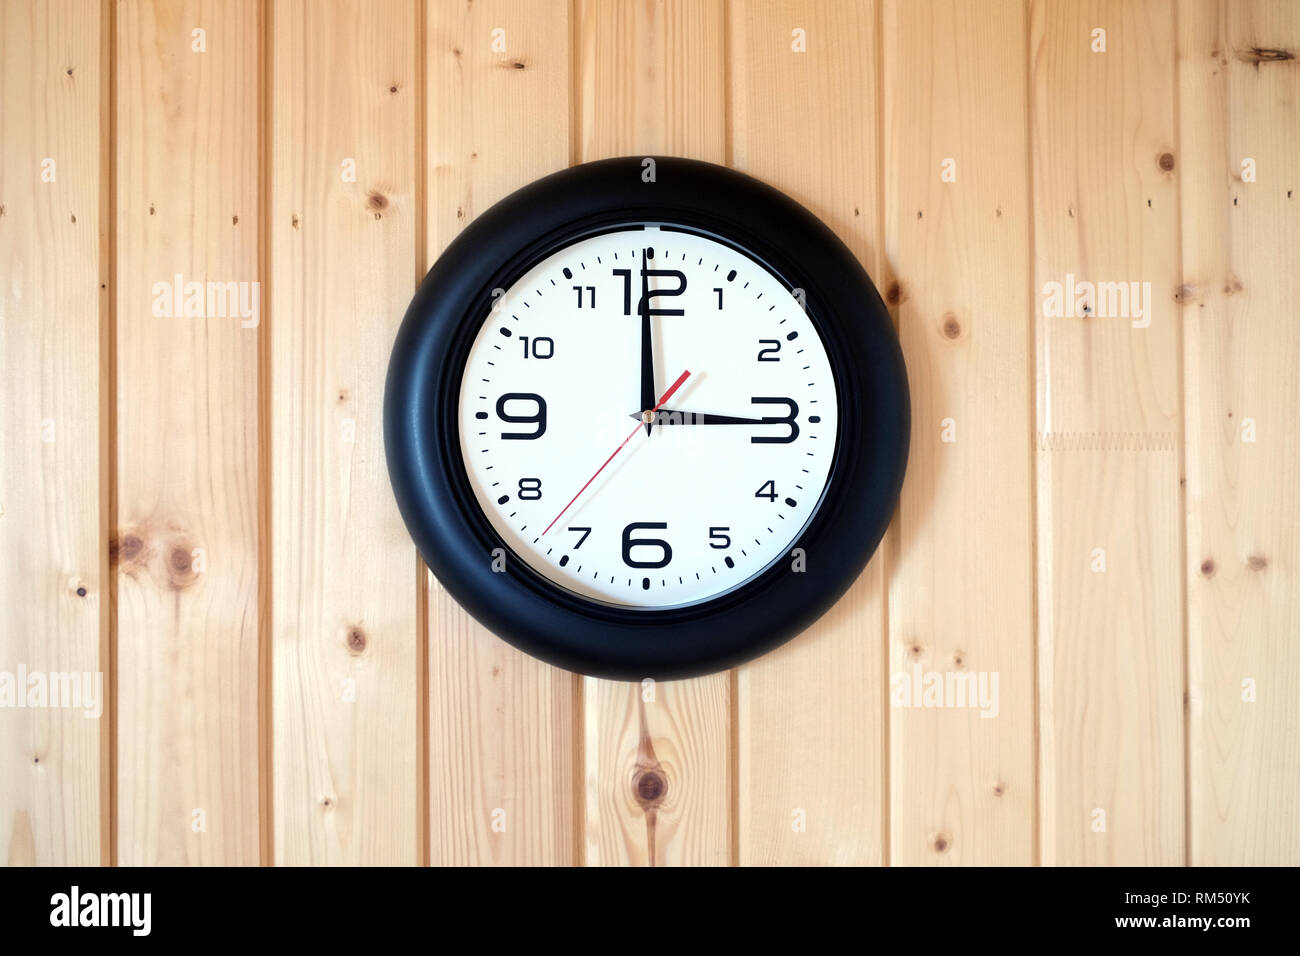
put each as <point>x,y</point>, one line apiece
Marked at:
<point>553,432</point>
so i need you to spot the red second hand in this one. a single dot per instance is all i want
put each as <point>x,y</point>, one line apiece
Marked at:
<point>662,399</point>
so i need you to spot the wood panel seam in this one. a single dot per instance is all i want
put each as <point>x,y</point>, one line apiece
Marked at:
<point>1181,438</point>
<point>265,642</point>
<point>108,442</point>
<point>1031,352</point>
<point>892,539</point>
<point>733,675</point>
<point>423,805</point>
<point>578,729</point>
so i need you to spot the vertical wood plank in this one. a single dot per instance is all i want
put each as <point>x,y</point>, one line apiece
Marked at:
<point>1109,435</point>
<point>501,723</point>
<point>344,605</point>
<point>651,79</point>
<point>187,540</point>
<point>811,725</point>
<point>1241,241</point>
<point>53,488</point>
<point>961,588</point>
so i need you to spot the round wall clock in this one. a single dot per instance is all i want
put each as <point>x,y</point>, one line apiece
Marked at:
<point>646,418</point>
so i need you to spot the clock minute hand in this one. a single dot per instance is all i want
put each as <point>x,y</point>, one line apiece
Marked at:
<point>647,363</point>
<point>669,416</point>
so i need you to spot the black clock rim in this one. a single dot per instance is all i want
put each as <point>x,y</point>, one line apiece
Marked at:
<point>546,620</point>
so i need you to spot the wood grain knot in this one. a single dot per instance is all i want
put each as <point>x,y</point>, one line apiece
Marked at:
<point>999,789</point>
<point>895,294</point>
<point>1264,54</point>
<point>180,567</point>
<point>356,640</point>
<point>940,842</point>
<point>124,548</point>
<point>1257,562</point>
<point>81,591</point>
<point>649,787</point>
<point>1207,567</point>
<point>1166,162</point>
<point>951,327</point>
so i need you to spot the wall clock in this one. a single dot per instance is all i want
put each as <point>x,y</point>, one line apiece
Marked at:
<point>646,418</point>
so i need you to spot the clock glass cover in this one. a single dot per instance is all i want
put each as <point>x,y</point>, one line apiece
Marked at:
<point>564,372</point>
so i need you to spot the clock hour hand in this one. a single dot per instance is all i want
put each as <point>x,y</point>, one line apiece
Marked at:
<point>669,416</point>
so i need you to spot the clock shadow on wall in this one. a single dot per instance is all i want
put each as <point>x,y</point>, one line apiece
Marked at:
<point>646,417</point>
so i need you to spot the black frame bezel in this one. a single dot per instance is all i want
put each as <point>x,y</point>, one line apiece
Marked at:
<point>544,618</point>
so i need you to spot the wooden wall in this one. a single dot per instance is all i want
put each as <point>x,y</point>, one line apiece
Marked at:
<point>1101,513</point>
